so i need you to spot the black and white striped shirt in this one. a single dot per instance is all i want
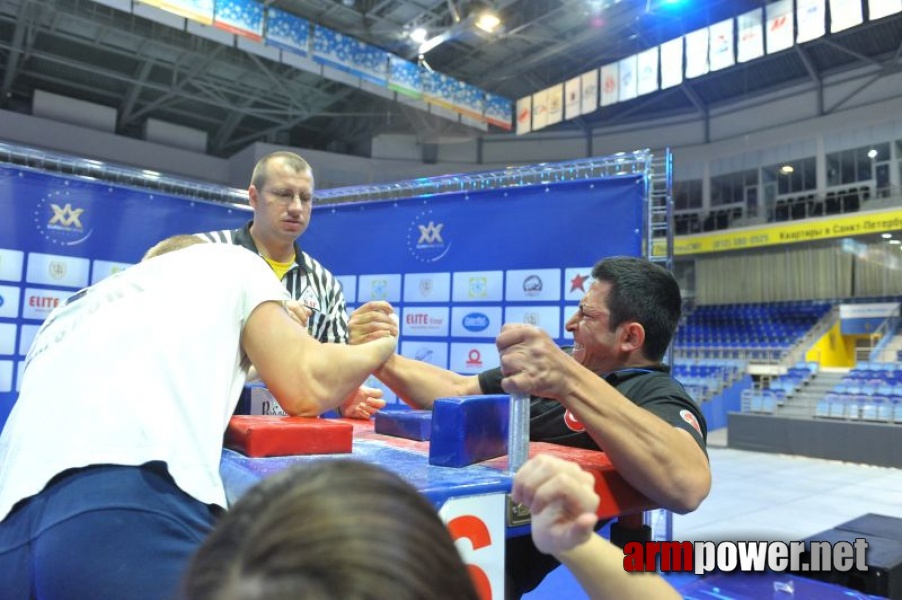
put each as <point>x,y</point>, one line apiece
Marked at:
<point>307,281</point>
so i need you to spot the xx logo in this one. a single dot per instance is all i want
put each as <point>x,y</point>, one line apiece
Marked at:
<point>430,234</point>
<point>66,216</point>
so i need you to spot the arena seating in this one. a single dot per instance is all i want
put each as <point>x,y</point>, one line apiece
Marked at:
<point>704,378</point>
<point>872,391</point>
<point>761,331</point>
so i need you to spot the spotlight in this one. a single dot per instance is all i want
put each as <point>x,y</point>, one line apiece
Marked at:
<point>786,169</point>
<point>418,35</point>
<point>872,153</point>
<point>488,21</point>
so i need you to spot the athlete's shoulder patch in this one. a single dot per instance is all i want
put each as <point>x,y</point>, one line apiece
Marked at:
<point>572,422</point>
<point>690,418</point>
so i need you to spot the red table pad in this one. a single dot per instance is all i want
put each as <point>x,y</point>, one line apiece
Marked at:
<point>284,436</point>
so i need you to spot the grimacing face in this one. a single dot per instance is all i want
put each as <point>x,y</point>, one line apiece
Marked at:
<point>595,346</point>
<point>283,204</point>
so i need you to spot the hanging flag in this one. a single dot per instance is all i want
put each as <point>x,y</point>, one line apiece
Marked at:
<point>877,9</point>
<point>751,38</point>
<point>672,63</point>
<point>812,18</point>
<point>697,53</point>
<point>627,68</point>
<point>524,115</point>
<point>779,26</point>
<point>720,36</point>
<point>571,98</point>
<point>610,84</point>
<point>844,14</point>
<point>647,66</point>
<point>555,101</point>
<point>539,110</point>
<point>588,101</point>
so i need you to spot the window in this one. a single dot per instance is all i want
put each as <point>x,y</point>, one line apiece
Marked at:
<point>855,165</point>
<point>730,188</point>
<point>792,176</point>
<point>687,194</point>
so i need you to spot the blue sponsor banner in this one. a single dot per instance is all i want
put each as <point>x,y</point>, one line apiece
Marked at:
<point>242,17</point>
<point>58,234</point>
<point>499,111</point>
<point>405,77</point>
<point>521,254</point>
<point>352,56</point>
<point>287,31</point>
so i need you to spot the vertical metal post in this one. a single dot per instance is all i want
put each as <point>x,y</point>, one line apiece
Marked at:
<point>518,433</point>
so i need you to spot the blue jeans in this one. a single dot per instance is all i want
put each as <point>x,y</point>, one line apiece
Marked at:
<point>102,532</point>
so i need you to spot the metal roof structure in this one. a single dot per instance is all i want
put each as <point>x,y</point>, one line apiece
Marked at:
<point>146,69</point>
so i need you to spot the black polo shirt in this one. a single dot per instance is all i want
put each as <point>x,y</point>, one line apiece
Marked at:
<point>651,388</point>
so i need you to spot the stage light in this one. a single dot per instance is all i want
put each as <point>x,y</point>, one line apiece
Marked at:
<point>786,169</point>
<point>418,35</point>
<point>488,21</point>
<point>872,153</point>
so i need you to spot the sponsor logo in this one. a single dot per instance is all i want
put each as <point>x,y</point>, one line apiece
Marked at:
<point>49,302</point>
<point>478,287</point>
<point>425,239</point>
<point>422,320</point>
<point>65,217</point>
<point>426,287</point>
<point>57,270</point>
<point>475,322</point>
<point>578,283</point>
<point>573,423</point>
<point>430,234</point>
<point>532,318</point>
<point>690,418</point>
<point>60,220</point>
<point>610,84</point>
<point>378,289</point>
<point>474,359</point>
<point>532,285</point>
<point>424,354</point>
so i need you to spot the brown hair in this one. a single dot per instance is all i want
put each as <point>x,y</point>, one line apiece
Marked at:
<point>292,161</point>
<point>336,530</point>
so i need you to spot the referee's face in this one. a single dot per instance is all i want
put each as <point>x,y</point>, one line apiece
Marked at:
<point>595,346</point>
<point>283,204</point>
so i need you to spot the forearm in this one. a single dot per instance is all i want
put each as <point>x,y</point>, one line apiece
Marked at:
<point>598,566</point>
<point>661,461</point>
<point>418,383</point>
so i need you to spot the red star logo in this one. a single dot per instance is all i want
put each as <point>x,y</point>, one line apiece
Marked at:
<point>577,283</point>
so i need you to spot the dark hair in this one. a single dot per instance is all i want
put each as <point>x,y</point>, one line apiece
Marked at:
<point>336,530</point>
<point>292,161</point>
<point>644,292</point>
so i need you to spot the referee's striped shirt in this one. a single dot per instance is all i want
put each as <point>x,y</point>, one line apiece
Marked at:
<point>307,281</point>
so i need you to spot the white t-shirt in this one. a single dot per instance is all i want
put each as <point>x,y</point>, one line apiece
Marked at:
<point>144,366</point>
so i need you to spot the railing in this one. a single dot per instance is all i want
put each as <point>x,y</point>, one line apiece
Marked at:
<point>52,162</point>
<point>621,163</point>
<point>885,332</point>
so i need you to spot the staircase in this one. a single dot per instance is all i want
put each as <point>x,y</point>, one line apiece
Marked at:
<point>802,403</point>
<point>890,352</point>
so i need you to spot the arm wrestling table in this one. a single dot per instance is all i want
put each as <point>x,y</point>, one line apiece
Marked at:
<point>471,500</point>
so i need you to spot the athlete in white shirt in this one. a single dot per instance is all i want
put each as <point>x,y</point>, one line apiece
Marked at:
<point>110,458</point>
